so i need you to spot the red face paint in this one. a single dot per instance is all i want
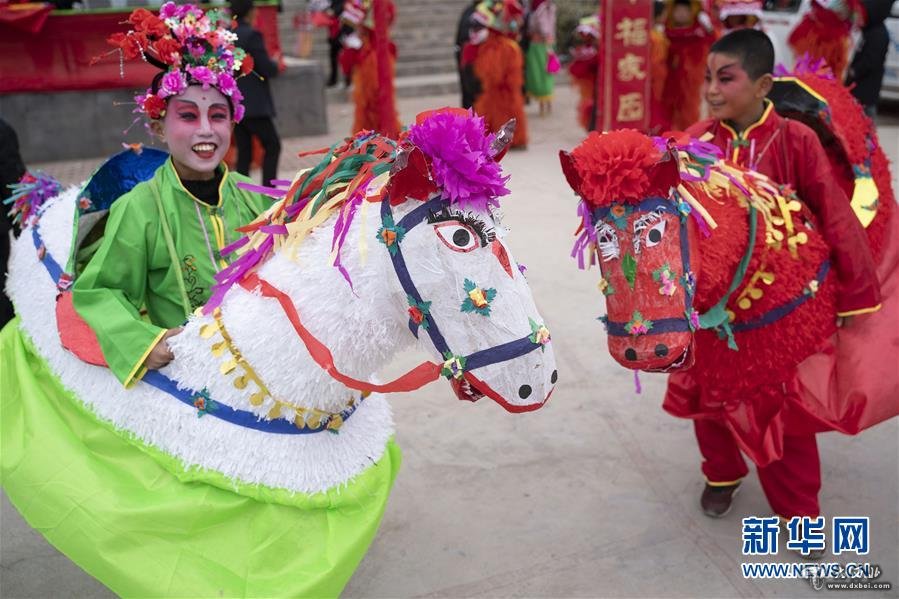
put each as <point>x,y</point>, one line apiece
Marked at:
<point>197,130</point>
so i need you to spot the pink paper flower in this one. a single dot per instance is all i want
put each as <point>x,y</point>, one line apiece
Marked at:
<point>173,84</point>
<point>461,163</point>
<point>203,75</point>
<point>226,84</point>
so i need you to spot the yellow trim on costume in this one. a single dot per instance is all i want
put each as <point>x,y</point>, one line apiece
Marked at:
<point>769,106</point>
<point>728,483</point>
<point>865,196</point>
<point>218,225</point>
<point>860,311</point>
<point>804,86</point>
<point>139,370</point>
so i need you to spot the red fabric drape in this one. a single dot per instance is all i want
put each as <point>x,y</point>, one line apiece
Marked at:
<point>58,57</point>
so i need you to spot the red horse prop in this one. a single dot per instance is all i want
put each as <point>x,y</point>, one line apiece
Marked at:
<point>709,267</point>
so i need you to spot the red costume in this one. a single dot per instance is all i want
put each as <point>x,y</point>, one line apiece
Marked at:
<point>499,67</point>
<point>825,33</point>
<point>658,74</point>
<point>687,52</point>
<point>363,63</point>
<point>790,153</point>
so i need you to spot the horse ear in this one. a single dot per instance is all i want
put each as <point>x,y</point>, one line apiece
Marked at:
<point>571,174</point>
<point>664,174</point>
<point>410,176</point>
<point>503,140</point>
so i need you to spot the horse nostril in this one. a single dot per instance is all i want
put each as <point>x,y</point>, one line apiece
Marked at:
<point>661,350</point>
<point>554,377</point>
<point>524,391</point>
<point>630,353</point>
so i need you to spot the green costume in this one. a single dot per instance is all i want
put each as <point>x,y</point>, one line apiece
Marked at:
<point>160,252</point>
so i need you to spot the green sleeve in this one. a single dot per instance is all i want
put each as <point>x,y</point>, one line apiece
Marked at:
<point>110,292</point>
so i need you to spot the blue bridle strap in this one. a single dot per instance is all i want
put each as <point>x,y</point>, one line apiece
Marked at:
<point>156,379</point>
<point>479,359</point>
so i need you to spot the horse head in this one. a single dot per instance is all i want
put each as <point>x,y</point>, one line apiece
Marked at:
<point>435,260</point>
<point>643,243</point>
<point>677,293</point>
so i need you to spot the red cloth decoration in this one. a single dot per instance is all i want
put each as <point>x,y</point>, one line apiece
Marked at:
<point>75,334</point>
<point>59,57</point>
<point>29,17</point>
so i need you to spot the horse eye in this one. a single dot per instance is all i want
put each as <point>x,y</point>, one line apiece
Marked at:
<point>655,234</point>
<point>457,237</point>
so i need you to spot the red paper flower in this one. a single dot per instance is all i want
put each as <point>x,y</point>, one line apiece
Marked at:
<point>246,67</point>
<point>168,51</point>
<point>613,167</point>
<point>131,45</point>
<point>154,106</point>
<point>146,22</point>
<point>416,315</point>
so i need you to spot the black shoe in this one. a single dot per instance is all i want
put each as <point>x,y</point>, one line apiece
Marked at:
<point>716,500</point>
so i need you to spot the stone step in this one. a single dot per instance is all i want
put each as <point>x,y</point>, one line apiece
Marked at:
<point>425,67</point>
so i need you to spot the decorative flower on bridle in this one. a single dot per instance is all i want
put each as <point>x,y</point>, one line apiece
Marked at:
<point>192,47</point>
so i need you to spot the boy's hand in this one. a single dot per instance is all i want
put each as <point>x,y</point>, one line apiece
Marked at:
<point>161,355</point>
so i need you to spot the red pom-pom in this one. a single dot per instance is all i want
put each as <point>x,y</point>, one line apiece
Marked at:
<point>614,166</point>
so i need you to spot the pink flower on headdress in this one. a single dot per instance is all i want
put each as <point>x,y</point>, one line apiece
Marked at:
<point>226,84</point>
<point>203,76</point>
<point>171,10</point>
<point>238,111</point>
<point>173,84</point>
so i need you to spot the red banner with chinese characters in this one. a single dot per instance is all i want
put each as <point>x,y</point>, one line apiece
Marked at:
<point>58,56</point>
<point>623,84</point>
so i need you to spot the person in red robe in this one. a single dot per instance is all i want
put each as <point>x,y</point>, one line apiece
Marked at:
<point>746,128</point>
<point>690,33</point>
<point>584,66</point>
<point>363,63</point>
<point>825,32</point>
<point>498,66</point>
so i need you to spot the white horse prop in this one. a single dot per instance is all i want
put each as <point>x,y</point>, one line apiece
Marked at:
<point>259,461</point>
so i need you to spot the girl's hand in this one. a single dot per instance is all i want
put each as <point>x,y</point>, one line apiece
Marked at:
<point>161,355</point>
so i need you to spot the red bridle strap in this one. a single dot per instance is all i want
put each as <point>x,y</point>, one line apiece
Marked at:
<point>418,377</point>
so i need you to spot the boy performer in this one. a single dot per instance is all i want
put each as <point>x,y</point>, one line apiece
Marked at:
<point>745,126</point>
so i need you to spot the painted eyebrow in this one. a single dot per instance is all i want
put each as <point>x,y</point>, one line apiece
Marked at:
<point>727,66</point>
<point>195,105</point>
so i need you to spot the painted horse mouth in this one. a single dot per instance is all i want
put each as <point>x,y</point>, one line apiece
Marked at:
<point>464,390</point>
<point>677,364</point>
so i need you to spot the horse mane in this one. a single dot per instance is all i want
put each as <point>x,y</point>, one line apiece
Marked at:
<point>337,184</point>
<point>448,151</point>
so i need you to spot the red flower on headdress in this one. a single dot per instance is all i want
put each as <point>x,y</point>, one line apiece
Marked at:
<point>246,66</point>
<point>154,106</point>
<point>168,51</point>
<point>131,45</point>
<point>146,22</point>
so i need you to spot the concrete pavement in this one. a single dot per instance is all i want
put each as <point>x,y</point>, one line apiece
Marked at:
<point>594,495</point>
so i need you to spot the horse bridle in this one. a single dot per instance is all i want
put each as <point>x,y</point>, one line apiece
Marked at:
<point>466,363</point>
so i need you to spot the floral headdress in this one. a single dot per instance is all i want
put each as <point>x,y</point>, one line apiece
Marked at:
<point>191,46</point>
<point>503,16</point>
